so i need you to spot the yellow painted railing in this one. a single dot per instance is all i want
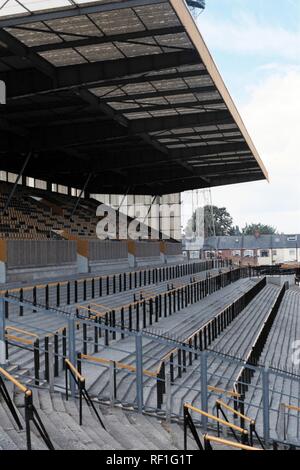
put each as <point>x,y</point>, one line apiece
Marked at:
<point>20,339</point>
<point>235,412</point>
<point>14,381</point>
<point>74,370</point>
<point>235,445</point>
<point>119,365</point>
<point>217,420</point>
<point>290,407</point>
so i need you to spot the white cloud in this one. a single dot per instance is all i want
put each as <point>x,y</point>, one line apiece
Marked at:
<point>272,116</point>
<point>247,35</point>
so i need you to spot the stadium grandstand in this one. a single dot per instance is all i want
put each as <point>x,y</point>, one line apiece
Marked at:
<point>121,344</point>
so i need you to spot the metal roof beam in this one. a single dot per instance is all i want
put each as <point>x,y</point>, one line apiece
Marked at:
<point>159,94</point>
<point>198,183</point>
<point>19,49</point>
<point>181,134</point>
<point>68,171</point>
<point>136,80</point>
<point>169,106</point>
<point>173,174</point>
<point>83,133</point>
<point>205,149</point>
<point>200,141</point>
<point>28,82</point>
<point>238,178</point>
<point>95,40</point>
<point>184,120</point>
<point>56,137</point>
<point>148,77</point>
<point>131,160</point>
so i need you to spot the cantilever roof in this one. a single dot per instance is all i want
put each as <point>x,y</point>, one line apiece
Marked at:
<point>124,90</point>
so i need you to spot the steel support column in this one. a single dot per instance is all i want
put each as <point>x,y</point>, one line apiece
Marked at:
<point>139,372</point>
<point>11,195</point>
<point>204,388</point>
<point>80,195</point>
<point>266,404</point>
<point>2,332</point>
<point>72,350</point>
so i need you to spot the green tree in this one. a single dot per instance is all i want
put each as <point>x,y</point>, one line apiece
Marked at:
<point>236,231</point>
<point>262,229</point>
<point>213,220</point>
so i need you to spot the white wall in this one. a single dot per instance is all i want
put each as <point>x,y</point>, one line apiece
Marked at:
<point>284,255</point>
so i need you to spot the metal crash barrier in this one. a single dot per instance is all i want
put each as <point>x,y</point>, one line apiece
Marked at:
<point>83,393</point>
<point>189,423</point>
<point>31,414</point>
<point>178,359</point>
<point>224,442</point>
<point>27,340</point>
<point>58,294</point>
<point>284,409</point>
<point>246,373</point>
<point>114,366</point>
<point>221,406</point>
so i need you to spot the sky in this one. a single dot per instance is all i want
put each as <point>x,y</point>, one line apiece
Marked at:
<point>256,46</point>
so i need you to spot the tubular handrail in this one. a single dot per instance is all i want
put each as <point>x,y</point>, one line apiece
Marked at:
<point>31,414</point>
<point>236,445</point>
<point>74,370</point>
<point>83,393</point>
<point>119,365</point>
<point>51,284</point>
<point>217,420</point>
<point>291,407</point>
<point>139,302</point>
<point>100,305</point>
<point>229,393</point>
<point>117,308</point>
<point>220,405</point>
<point>31,344</point>
<point>91,310</point>
<point>109,276</point>
<point>18,339</point>
<point>284,408</point>
<point>39,286</point>
<point>19,330</point>
<point>14,381</point>
<point>235,412</point>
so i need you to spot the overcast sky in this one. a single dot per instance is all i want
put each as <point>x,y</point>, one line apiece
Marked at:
<point>256,46</point>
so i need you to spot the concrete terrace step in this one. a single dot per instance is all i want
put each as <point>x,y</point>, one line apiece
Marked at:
<point>47,323</point>
<point>278,353</point>
<point>238,338</point>
<point>114,270</point>
<point>124,430</point>
<point>116,299</point>
<point>185,322</point>
<point>11,438</point>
